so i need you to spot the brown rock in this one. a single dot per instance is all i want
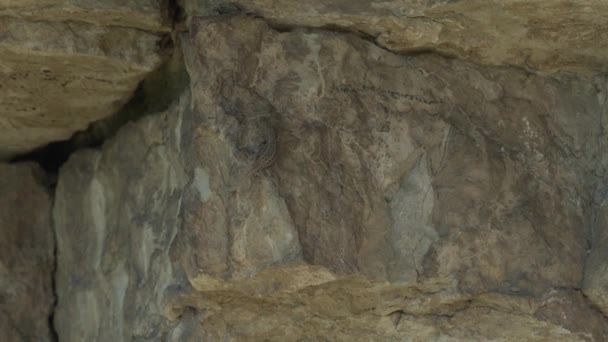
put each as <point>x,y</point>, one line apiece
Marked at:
<point>27,259</point>
<point>595,285</point>
<point>572,311</point>
<point>62,68</point>
<point>142,14</point>
<point>548,35</point>
<point>412,198</point>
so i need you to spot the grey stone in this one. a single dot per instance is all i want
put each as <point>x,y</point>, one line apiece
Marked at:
<point>547,35</point>
<point>412,198</point>
<point>27,259</point>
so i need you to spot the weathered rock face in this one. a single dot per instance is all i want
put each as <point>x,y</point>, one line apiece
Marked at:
<point>595,284</point>
<point>142,14</point>
<point>27,259</point>
<point>113,260</point>
<point>66,63</point>
<point>548,35</point>
<point>412,198</point>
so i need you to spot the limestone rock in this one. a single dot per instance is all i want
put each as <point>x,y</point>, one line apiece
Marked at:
<point>413,197</point>
<point>432,134</point>
<point>595,285</point>
<point>27,259</point>
<point>114,262</point>
<point>148,15</point>
<point>548,35</point>
<point>68,63</point>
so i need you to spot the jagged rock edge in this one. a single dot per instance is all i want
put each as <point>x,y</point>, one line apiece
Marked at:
<point>371,39</point>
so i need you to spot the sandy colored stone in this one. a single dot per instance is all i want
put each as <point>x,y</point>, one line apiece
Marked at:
<point>546,35</point>
<point>353,174</point>
<point>412,198</point>
<point>58,75</point>
<point>27,260</point>
<point>595,285</point>
<point>146,15</point>
<point>353,310</point>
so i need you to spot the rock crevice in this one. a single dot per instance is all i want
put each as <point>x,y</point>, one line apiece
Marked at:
<point>413,195</point>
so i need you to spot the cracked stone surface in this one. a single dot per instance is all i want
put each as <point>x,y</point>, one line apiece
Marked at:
<point>595,285</point>
<point>547,35</point>
<point>27,258</point>
<point>146,15</point>
<point>413,197</point>
<point>66,63</point>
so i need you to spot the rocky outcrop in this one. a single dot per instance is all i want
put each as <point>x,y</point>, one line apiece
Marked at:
<point>66,63</point>
<point>595,285</point>
<point>547,35</point>
<point>27,260</point>
<point>412,197</point>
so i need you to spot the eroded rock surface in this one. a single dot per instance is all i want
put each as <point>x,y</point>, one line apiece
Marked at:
<point>595,284</point>
<point>27,259</point>
<point>412,197</point>
<point>548,35</point>
<point>149,15</point>
<point>67,63</point>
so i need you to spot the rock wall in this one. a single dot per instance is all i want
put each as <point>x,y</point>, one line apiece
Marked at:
<point>67,63</point>
<point>440,172</point>
<point>413,197</point>
<point>546,35</point>
<point>27,259</point>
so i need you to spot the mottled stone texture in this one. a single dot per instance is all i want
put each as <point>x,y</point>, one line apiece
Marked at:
<point>149,15</point>
<point>548,35</point>
<point>413,198</point>
<point>66,63</point>
<point>113,257</point>
<point>595,284</point>
<point>26,255</point>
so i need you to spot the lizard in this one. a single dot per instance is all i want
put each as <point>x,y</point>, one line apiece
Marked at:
<point>268,152</point>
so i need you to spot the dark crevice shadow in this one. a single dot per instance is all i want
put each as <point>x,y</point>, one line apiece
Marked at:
<point>154,94</point>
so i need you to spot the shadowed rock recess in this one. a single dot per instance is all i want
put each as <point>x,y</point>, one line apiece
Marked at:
<point>66,63</point>
<point>440,174</point>
<point>27,252</point>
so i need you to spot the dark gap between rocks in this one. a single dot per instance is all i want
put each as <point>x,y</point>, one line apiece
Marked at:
<point>54,336</point>
<point>154,94</point>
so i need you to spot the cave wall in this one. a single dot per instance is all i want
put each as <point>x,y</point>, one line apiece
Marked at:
<point>27,254</point>
<point>67,63</point>
<point>421,189</point>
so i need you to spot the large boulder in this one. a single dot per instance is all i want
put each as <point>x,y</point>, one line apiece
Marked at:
<point>66,63</point>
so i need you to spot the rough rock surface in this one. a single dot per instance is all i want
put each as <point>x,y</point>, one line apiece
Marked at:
<point>547,35</point>
<point>27,259</point>
<point>142,14</point>
<point>66,63</point>
<point>595,284</point>
<point>413,197</point>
